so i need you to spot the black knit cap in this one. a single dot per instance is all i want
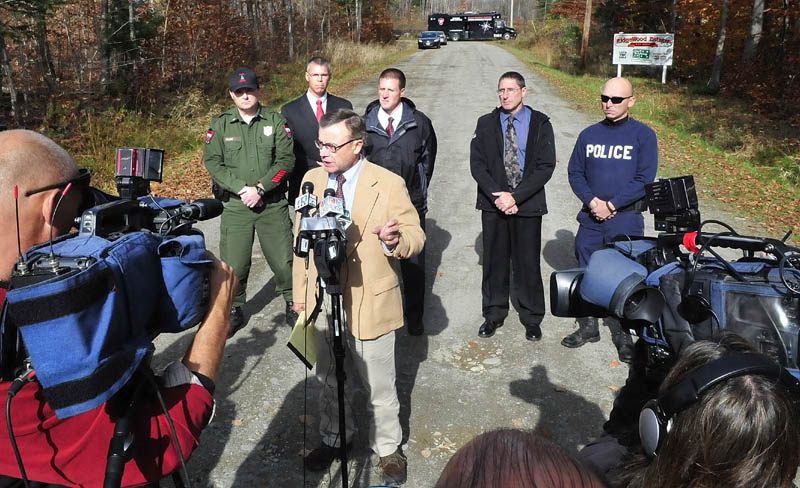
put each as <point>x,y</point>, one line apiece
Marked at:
<point>243,78</point>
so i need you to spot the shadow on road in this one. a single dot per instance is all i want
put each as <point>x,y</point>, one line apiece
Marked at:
<point>277,459</point>
<point>559,253</point>
<point>566,418</point>
<point>411,351</point>
<point>249,342</point>
<point>258,302</point>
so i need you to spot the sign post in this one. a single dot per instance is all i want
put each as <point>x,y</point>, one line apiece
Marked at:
<point>643,49</point>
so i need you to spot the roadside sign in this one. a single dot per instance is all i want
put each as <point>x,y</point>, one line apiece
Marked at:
<point>643,49</point>
<point>647,49</point>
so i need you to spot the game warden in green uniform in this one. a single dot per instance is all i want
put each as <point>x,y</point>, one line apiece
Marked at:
<point>248,152</point>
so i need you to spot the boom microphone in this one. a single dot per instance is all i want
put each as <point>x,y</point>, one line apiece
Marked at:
<point>331,205</point>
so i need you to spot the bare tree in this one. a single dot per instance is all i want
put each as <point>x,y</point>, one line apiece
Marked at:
<point>587,26</point>
<point>756,28</point>
<point>716,70</point>
<point>104,46</point>
<point>9,75</point>
<point>290,26</point>
<point>358,20</point>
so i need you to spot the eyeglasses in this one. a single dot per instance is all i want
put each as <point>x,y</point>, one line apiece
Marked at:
<point>510,91</point>
<point>614,100</point>
<point>332,148</point>
<point>81,181</point>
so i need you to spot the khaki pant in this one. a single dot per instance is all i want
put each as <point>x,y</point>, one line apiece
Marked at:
<point>373,361</point>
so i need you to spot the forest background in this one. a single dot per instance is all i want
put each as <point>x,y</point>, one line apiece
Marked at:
<point>99,74</point>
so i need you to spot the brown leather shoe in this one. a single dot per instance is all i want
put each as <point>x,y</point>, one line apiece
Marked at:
<point>395,468</point>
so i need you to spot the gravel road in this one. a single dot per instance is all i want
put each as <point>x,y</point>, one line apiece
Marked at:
<point>453,385</point>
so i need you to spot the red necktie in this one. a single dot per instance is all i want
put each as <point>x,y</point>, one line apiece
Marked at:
<point>390,128</point>
<point>320,113</point>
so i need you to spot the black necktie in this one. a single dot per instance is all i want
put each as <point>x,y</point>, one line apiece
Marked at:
<point>511,155</point>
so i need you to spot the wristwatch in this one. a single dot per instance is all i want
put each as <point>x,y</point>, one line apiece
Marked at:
<point>261,192</point>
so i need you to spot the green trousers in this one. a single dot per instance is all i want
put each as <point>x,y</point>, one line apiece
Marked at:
<point>238,226</point>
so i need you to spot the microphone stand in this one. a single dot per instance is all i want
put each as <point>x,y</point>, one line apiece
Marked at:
<point>333,288</point>
<point>339,354</point>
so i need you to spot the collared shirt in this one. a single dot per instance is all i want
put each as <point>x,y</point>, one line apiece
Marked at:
<point>522,121</point>
<point>350,181</point>
<point>312,99</point>
<point>396,115</point>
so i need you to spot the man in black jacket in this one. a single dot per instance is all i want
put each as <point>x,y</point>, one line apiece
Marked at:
<point>401,139</point>
<point>512,156</point>
<point>303,114</point>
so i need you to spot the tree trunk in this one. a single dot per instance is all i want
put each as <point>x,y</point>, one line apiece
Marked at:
<point>105,46</point>
<point>756,28</point>
<point>716,70</point>
<point>257,25</point>
<point>587,26</point>
<point>270,14</point>
<point>132,31</point>
<point>673,16</point>
<point>358,21</point>
<point>5,59</point>
<point>289,26</point>
<point>45,59</point>
<point>164,42</point>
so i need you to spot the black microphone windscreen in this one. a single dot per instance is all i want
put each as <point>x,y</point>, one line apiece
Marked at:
<point>208,208</point>
<point>329,192</point>
<point>308,187</point>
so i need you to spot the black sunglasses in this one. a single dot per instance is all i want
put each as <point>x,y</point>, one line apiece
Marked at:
<point>80,182</point>
<point>614,100</point>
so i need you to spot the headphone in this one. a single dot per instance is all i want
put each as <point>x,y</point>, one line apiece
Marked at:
<point>655,419</point>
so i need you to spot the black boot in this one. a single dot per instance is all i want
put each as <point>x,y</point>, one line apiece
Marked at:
<point>587,332</point>
<point>621,340</point>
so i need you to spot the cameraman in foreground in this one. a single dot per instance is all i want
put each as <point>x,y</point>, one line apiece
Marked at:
<point>73,451</point>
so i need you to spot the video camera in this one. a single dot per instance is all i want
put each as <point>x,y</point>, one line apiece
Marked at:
<point>667,291</point>
<point>84,307</point>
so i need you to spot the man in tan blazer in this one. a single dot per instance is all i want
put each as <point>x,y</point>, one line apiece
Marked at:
<point>384,228</point>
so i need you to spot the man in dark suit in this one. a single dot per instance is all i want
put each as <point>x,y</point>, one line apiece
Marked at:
<point>512,156</point>
<point>303,114</point>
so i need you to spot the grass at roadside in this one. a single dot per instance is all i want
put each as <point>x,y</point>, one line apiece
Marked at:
<point>737,155</point>
<point>180,124</point>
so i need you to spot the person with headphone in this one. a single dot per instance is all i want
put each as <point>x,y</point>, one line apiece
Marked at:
<point>725,416</point>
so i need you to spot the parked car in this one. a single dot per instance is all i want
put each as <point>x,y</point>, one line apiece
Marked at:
<point>442,37</point>
<point>429,40</point>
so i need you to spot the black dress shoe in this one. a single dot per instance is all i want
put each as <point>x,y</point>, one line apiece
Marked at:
<point>533,332</point>
<point>237,321</point>
<point>488,327</point>
<point>320,458</point>
<point>291,315</point>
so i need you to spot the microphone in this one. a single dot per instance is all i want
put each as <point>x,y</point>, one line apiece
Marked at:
<point>307,200</point>
<point>201,209</point>
<point>303,204</point>
<point>331,205</point>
